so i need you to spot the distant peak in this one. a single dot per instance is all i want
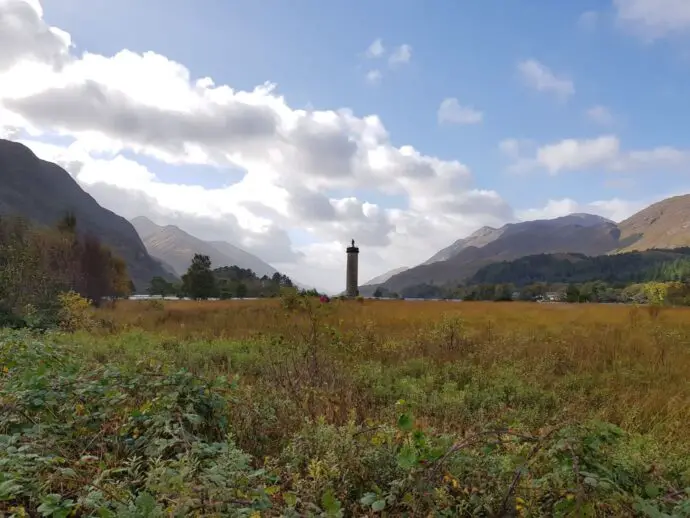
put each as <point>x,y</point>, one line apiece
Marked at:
<point>482,231</point>
<point>587,218</point>
<point>141,219</point>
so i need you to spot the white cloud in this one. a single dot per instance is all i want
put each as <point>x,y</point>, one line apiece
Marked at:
<point>401,55</point>
<point>513,148</point>
<point>24,35</point>
<point>541,78</point>
<point>450,111</point>
<point>572,155</point>
<point>603,153</point>
<point>376,49</point>
<point>148,105</point>
<point>600,115</point>
<point>614,209</point>
<point>374,77</point>
<point>653,19</point>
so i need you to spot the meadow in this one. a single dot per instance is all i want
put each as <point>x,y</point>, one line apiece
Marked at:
<point>292,407</point>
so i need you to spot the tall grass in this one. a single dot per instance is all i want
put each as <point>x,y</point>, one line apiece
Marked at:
<point>620,364</point>
<point>458,409</point>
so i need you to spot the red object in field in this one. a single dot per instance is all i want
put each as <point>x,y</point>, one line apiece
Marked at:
<point>324,298</point>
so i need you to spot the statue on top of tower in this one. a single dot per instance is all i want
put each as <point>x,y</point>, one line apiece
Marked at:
<point>353,243</point>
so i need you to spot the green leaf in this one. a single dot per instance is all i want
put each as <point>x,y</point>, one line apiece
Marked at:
<point>379,505</point>
<point>329,502</point>
<point>407,458</point>
<point>290,499</point>
<point>405,422</point>
<point>68,472</point>
<point>368,499</point>
<point>651,490</point>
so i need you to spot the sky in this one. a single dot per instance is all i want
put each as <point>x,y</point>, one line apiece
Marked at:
<point>289,128</point>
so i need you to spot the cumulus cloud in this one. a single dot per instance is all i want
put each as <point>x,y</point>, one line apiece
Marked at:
<point>24,35</point>
<point>401,55</point>
<point>614,209</point>
<point>539,77</point>
<point>111,110</point>
<point>654,19</point>
<point>376,49</point>
<point>451,112</point>
<point>603,153</point>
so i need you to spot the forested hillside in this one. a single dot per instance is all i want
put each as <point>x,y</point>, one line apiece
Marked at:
<point>202,281</point>
<point>652,265</point>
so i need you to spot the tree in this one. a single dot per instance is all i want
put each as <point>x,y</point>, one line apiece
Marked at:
<point>199,281</point>
<point>378,293</point>
<point>572,294</point>
<point>241,290</point>
<point>159,286</point>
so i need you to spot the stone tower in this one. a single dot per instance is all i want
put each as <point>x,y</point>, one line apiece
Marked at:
<point>351,284</point>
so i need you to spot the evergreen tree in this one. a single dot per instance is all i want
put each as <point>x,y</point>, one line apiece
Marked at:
<point>199,281</point>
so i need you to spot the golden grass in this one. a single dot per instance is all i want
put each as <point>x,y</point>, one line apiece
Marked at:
<point>622,364</point>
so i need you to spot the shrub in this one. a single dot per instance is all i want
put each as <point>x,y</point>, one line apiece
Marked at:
<point>75,312</point>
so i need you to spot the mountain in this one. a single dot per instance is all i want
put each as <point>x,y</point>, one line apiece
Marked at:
<point>665,224</point>
<point>385,276</point>
<point>622,268</point>
<point>43,192</point>
<point>481,237</point>
<point>176,248</point>
<point>576,233</point>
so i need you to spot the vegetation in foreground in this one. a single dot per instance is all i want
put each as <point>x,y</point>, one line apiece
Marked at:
<point>390,408</point>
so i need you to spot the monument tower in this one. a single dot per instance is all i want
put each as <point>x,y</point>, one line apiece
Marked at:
<point>351,284</point>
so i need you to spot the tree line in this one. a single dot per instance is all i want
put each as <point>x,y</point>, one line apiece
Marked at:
<point>202,281</point>
<point>641,277</point>
<point>39,263</point>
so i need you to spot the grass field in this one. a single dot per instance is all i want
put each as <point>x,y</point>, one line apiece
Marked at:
<point>296,408</point>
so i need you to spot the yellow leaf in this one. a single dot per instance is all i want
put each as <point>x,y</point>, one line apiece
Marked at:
<point>272,490</point>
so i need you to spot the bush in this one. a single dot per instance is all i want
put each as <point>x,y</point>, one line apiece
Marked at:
<point>75,312</point>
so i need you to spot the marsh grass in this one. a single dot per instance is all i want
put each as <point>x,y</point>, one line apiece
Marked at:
<point>551,391</point>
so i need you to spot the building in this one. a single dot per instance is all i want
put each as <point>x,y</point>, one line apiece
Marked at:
<point>352,271</point>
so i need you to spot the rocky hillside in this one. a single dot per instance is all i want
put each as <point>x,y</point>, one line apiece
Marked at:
<point>576,233</point>
<point>665,224</point>
<point>176,248</point>
<point>384,276</point>
<point>43,192</point>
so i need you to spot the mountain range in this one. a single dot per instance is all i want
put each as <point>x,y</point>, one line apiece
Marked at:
<point>44,192</point>
<point>663,225</point>
<point>176,248</point>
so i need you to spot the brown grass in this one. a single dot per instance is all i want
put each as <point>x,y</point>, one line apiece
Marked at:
<point>618,363</point>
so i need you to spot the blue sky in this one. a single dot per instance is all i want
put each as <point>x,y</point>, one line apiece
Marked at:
<point>468,50</point>
<point>559,107</point>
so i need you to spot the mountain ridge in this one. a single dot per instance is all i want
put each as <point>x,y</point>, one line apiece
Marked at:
<point>576,233</point>
<point>175,247</point>
<point>42,192</point>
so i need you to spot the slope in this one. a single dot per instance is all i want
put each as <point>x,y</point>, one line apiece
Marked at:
<point>665,224</point>
<point>43,192</point>
<point>176,248</point>
<point>384,276</point>
<point>576,233</point>
<point>624,268</point>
